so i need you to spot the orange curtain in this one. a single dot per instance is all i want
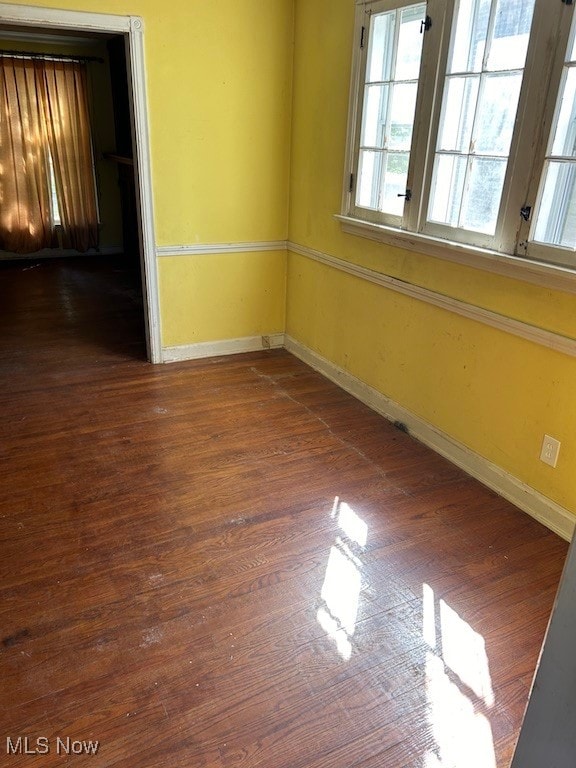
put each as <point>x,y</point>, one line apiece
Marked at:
<point>25,209</point>
<point>68,128</point>
<point>44,113</point>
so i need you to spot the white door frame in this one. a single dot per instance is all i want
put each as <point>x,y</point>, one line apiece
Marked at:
<point>132,28</point>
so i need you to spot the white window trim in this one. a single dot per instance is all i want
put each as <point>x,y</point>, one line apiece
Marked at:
<point>427,240</point>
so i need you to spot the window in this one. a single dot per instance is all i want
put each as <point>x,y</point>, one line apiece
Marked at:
<point>391,83</point>
<point>481,91</point>
<point>54,207</point>
<point>451,102</point>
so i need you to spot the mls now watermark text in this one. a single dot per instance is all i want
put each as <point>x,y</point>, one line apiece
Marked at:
<point>42,745</point>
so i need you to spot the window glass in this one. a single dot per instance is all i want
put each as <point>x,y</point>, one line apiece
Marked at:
<point>55,209</point>
<point>508,42</point>
<point>469,38</point>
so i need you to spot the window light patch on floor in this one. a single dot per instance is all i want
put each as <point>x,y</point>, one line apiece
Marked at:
<point>340,593</point>
<point>458,689</point>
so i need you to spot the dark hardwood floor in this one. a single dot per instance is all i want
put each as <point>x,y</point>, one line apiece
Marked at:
<point>231,562</point>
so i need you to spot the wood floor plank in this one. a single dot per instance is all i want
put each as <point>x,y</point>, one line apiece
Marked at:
<point>232,563</point>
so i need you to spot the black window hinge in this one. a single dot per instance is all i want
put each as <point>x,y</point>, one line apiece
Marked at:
<point>407,195</point>
<point>568,2</point>
<point>425,24</point>
<point>525,212</point>
<point>351,184</point>
<point>362,36</point>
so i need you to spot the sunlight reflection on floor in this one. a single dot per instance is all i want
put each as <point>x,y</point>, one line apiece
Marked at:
<point>458,688</point>
<point>342,585</point>
<point>458,683</point>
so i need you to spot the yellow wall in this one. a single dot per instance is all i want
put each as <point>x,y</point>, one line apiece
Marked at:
<point>220,100</point>
<point>493,392</point>
<point>225,296</point>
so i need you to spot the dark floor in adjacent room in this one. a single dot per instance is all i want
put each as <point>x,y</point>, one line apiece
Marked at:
<point>231,562</point>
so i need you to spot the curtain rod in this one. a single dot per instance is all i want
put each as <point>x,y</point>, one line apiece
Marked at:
<point>53,56</point>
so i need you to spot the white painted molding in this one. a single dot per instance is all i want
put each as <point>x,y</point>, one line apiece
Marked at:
<point>526,331</point>
<point>539,273</point>
<point>224,347</point>
<point>207,248</point>
<point>32,16</point>
<point>143,170</point>
<point>132,28</point>
<point>543,509</point>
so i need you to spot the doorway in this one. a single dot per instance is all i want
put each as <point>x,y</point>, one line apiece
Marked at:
<point>124,39</point>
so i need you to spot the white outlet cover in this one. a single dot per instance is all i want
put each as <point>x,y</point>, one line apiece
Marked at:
<point>550,450</point>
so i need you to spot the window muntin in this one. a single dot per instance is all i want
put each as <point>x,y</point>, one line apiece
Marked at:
<point>389,103</point>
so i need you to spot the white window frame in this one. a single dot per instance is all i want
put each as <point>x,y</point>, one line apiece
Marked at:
<point>510,250</point>
<point>375,7</point>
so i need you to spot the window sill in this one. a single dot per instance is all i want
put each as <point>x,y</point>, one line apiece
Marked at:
<point>536,272</point>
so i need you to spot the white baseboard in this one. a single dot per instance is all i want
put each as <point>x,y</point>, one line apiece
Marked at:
<point>224,347</point>
<point>543,509</point>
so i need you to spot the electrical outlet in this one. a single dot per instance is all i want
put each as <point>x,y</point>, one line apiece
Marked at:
<point>550,450</point>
